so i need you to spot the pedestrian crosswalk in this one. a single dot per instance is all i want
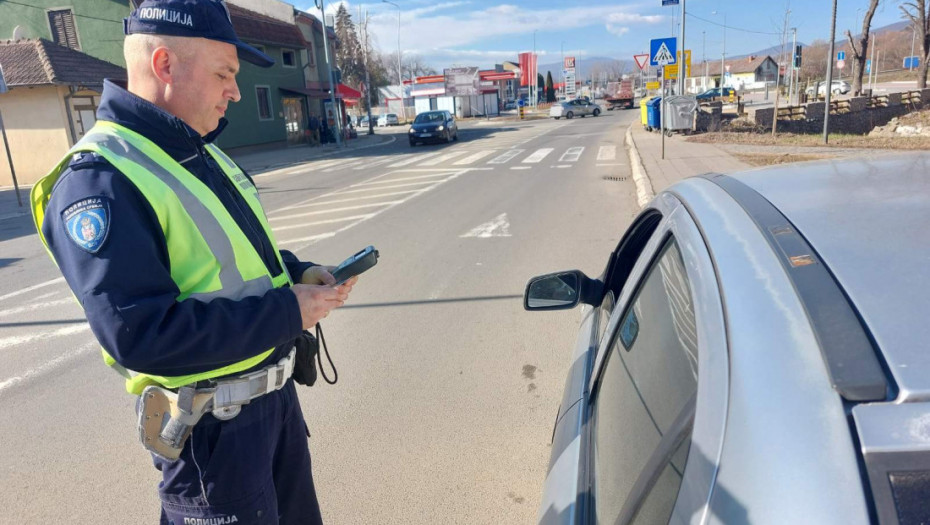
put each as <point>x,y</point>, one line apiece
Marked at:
<point>494,157</point>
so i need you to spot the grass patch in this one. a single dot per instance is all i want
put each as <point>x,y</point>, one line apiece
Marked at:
<point>837,140</point>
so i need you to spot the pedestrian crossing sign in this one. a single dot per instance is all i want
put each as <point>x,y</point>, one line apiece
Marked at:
<point>662,51</point>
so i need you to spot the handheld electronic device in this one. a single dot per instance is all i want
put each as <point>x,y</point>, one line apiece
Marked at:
<point>356,264</point>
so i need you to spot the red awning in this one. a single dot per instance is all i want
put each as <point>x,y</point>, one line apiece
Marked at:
<point>346,92</point>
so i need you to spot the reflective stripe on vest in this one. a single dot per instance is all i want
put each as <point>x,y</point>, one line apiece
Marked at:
<point>210,255</point>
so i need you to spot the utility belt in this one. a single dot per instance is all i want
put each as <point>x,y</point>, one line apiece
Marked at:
<point>167,418</point>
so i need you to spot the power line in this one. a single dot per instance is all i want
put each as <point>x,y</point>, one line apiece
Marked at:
<point>692,15</point>
<point>72,12</point>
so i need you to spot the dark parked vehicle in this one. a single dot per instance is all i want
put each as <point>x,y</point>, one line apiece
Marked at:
<point>715,93</point>
<point>755,351</point>
<point>433,126</point>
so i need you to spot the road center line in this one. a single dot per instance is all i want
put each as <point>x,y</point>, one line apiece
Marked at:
<point>404,179</point>
<point>407,185</point>
<point>354,199</point>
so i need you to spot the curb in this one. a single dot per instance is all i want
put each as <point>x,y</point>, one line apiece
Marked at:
<point>644,191</point>
<point>267,170</point>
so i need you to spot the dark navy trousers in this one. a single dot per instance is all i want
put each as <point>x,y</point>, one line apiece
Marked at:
<point>252,469</point>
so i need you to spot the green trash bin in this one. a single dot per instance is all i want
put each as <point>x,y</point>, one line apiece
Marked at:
<point>644,112</point>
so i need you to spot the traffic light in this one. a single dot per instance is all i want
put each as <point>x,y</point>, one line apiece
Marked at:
<point>797,57</point>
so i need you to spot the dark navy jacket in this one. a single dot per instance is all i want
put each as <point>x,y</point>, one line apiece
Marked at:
<point>126,287</point>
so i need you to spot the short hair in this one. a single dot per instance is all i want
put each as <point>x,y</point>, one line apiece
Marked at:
<point>138,47</point>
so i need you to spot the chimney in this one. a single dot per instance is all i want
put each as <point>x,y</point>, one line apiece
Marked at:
<point>752,57</point>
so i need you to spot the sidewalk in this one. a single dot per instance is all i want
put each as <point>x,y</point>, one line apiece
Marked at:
<point>258,161</point>
<point>682,159</point>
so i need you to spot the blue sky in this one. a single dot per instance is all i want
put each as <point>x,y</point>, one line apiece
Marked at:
<point>484,32</point>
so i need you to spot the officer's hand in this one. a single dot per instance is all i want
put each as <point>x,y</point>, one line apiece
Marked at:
<point>317,301</point>
<point>318,275</point>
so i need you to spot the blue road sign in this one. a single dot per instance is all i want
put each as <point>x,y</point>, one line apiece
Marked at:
<point>868,66</point>
<point>841,55</point>
<point>662,51</point>
<point>669,2</point>
<point>911,62</point>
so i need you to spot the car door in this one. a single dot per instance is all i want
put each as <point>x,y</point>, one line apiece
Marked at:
<point>657,398</point>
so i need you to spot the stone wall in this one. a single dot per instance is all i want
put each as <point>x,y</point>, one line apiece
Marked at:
<point>709,117</point>
<point>858,120</point>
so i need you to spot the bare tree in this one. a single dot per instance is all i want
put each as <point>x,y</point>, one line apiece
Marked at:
<point>916,12</point>
<point>860,46</point>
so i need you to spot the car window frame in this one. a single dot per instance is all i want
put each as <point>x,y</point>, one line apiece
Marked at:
<point>708,420</point>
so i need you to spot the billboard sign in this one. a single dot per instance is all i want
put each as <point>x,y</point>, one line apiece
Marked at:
<point>462,81</point>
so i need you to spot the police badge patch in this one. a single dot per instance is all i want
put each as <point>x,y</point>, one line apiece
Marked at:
<point>88,222</point>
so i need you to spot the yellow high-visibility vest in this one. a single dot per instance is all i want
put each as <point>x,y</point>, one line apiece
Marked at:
<point>211,257</point>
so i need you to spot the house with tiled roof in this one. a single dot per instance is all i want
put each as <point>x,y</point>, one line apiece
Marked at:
<point>52,100</point>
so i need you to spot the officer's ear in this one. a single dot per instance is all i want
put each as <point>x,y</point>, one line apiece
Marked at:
<point>164,64</point>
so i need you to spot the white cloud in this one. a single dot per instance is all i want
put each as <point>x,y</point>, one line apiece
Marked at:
<point>444,31</point>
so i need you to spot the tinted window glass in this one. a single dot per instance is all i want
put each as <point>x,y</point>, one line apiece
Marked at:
<point>649,376</point>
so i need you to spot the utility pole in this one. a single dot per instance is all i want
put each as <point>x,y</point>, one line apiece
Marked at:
<point>682,63</point>
<point>329,72</point>
<point>534,84</point>
<point>784,37</point>
<point>873,66</point>
<point>400,73</point>
<point>364,27</point>
<point>826,110</point>
<point>911,61</point>
<point>704,58</point>
<point>792,70</point>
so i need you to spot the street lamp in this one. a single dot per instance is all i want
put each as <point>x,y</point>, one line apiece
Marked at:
<point>534,85</point>
<point>400,74</point>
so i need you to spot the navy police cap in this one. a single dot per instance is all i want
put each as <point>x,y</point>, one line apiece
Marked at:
<point>191,18</point>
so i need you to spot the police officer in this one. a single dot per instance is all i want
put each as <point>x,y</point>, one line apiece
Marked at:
<point>163,240</point>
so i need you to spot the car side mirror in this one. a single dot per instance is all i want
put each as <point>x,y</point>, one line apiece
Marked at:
<point>562,291</point>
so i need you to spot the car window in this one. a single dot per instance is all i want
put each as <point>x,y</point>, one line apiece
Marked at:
<point>649,377</point>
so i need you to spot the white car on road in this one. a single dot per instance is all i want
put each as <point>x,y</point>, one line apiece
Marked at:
<point>574,108</point>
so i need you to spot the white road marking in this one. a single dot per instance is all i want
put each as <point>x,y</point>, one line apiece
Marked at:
<point>442,158</point>
<point>474,157</point>
<point>404,179</point>
<point>43,296</point>
<point>312,238</point>
<point>385,187</point>
<point>537,156</point>
<point>412,160</point>
<point>318,223</point>
<point>572,154</point>
<point>344,165</point>
<point>561,166</point>
<point>451,176</point>
<point>35,306</point>
<point>353,199</point>
<point>604,165</point>
<point>607,153</point>
<point>31,288</point>
<point>498,227</point>
<point>332,210</point>
<point>16,340</point>
<point>520,168</point>
<point>48,366</point>
<point>506,157</point>
<point>374,163</point>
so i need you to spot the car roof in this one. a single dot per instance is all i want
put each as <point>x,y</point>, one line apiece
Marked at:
<point>867,219</point>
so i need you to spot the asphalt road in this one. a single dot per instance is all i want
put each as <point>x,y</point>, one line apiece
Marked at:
<point>447,389</point>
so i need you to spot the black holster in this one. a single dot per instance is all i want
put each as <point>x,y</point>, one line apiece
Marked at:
<point>308,362</point>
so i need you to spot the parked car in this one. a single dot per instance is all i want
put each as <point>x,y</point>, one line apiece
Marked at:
<point>388,119</point>
<point>840,87</point>
<point>363,121</point>
<point>752,340</point>
<point>433,126</point>
<point>715,93</point>
<point>574,108</point>
<point>510,105</point>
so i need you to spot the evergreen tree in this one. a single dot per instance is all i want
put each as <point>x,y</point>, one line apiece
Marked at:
<point>540,86</point>
<point>550,88</point>
<point>349,57</point>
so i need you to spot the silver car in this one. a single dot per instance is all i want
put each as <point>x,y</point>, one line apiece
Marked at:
<point>574,108</point>
<point>755,351</point>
